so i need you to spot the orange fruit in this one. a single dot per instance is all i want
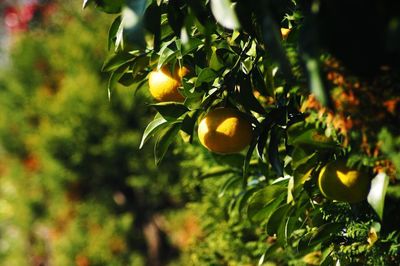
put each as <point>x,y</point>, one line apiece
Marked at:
<point>164,86</point>
<point>224,130</point>
<point>339,182</point>
<point>285,33</point>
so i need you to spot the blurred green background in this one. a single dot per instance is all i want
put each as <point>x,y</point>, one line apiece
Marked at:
<point>74,187</point>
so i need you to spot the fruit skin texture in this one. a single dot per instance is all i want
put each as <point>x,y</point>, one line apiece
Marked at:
<point>224,130</point>
<point>164,86</point>
<point>339,182</point>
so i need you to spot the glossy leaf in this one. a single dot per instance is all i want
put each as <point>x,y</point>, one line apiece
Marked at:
<point>314,139</point>
<point>377,193</point>
<point>117,60</point>
<point>86,3</point>
<point>206,75</point>
<point>224,13</point>
<point>230,182</point>
<point>112,32</point>
<point>170,110</point>
<point>114,77</point>
<point>109,6</point>
<point>152,128</point>
<point>277,218</point>
<point>264,202</point>
<point>164,140</point>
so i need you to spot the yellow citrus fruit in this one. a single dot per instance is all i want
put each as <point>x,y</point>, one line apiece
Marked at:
<point>339,182</point>
<point>285,33</point>
<point>164,86</point>
<point>224,130</point>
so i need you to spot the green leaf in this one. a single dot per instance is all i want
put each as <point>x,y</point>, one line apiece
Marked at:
<point>313,139</point>
<point>175,16</point>
<point>152,21</point>
<point>224,13</point>
<point>152,128</point>
<point>273,151</point>
<point>216,171</point>
<point>247,159</point>
<point>230,182</point>
<point>188,124</point>
<point>264,202</point>
<point>246,97</point>
<point>206,75</point>
<point>277,218</point>
<point>272,39</point>
<point>325,232</point>
<point>117,60</point>
<point>233,160</point>
<point>268,252</point>
<point>166,55</point>
<point>114,77</point>
<point>171,110</point>
<point>191,45</point>
<point>262,140</point>
<point>127,79</point>
<point>316,238</point>
<point>377,193</point>
<point>164,140</point>
<point>327,259</point>
<point>259,83</point>
<point>215,62</point>
<point>301,157</point>
<point>242,200</point>
<point>86,3</point>
<point>112,32</point>
<point>109,6</point>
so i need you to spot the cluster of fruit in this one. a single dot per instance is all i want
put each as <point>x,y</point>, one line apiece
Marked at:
<point>225,130</point>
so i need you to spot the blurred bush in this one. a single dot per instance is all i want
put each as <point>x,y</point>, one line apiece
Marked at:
<point>74,188</point>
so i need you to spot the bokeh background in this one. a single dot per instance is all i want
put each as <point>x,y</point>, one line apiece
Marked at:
<point>74,187</point>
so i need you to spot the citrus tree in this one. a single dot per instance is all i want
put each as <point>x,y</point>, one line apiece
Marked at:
<point>296,101</point>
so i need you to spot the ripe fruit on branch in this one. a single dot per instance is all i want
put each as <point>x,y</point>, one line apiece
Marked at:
<point>164,86</point>
<point>224,130</point>
<point>285,33</point>
<point>339,182</point>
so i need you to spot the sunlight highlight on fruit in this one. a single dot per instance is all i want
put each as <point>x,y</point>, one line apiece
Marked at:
<point>224,130</point>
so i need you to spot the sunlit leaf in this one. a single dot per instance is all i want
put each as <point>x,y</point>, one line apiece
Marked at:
<point>152,128</point>
<point>117,60</point>
<point>112,32</point>
<point>86,3</point>
<point>377,193</point>
<point>170,110</point>
<point>224,13</point>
